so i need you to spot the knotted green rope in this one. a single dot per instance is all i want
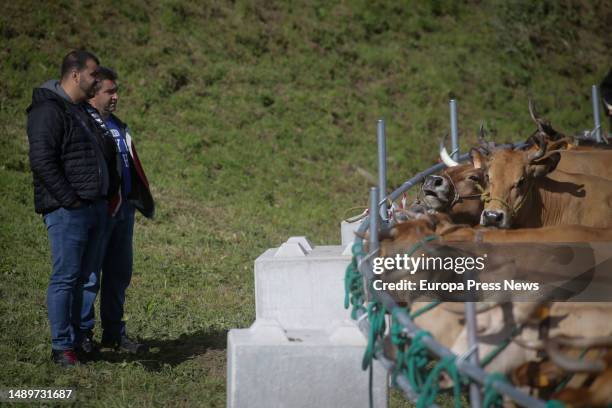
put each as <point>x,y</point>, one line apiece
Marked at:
<point>432,385</point>
<point>376,317</point>
<point>492,398</point>
<point>353,284</point>
<point>414,359</point>
<point>400,340</point>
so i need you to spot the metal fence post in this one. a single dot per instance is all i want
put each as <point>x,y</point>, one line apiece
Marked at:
<point>596,118</point>
<point>454,131</point>
<point>373,219</point>
<point>470,323</point>
<point>382,168</point>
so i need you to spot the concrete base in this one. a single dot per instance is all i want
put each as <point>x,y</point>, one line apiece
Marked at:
<point>347,232</point>
<point>269,367</point>
<point>303,349</point>
<point>304,290</point>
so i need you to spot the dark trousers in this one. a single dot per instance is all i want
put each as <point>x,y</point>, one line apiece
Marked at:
<point>112,279</point>
<point>75,238</point>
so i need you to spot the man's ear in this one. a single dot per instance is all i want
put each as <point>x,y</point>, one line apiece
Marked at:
<point>477,158</point>
<point>545,165</point>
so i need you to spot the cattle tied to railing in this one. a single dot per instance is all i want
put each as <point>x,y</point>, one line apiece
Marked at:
<point>449,207</point>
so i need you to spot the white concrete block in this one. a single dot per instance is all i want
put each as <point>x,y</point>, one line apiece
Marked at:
<point>289,249</point>
<point>347,232</point>
<point>303,241</point>
<point>308,369</point>
<point>305,291</point>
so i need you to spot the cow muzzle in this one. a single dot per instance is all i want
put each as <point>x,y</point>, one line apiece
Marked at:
<point>435,192</point>
<point>494,218</point>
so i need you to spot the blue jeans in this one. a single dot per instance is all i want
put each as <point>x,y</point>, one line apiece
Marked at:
<point>113,279</point>
<point>75,237</point>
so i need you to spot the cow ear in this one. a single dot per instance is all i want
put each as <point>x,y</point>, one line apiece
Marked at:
<point>477,158</point>
<point>546,165</point>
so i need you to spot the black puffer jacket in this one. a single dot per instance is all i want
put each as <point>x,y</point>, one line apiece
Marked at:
<point>69,157</point>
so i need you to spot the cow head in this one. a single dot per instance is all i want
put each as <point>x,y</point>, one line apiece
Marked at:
<point>456,191</point>
<point>510,176</point>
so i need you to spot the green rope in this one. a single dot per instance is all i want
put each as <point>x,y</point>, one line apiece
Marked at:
<point>492,398</point>
<point>432,385</point>
<point>425,309</point>
<point>376,317</point>
<point>554,404</point>
<point>400,340</point>
<point>417,359</point>
<point>353,284</point>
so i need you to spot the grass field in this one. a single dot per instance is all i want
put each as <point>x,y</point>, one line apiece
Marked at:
<point>251,119</point>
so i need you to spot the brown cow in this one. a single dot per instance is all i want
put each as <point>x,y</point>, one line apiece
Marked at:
<point>457,191</point>
<point>580,160</point>
<point>524,191</point>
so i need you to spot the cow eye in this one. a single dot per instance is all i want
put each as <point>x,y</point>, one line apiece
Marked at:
<point>474,178</point>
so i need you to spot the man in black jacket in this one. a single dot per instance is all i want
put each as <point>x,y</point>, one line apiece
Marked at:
<point>74,171</point>
<point>116,247</point>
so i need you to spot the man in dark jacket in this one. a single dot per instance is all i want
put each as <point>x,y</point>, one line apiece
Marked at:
<point>117,242</point>
<point>73,167</point>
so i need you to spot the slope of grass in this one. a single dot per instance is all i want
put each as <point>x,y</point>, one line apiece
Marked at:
<point>251,118</point>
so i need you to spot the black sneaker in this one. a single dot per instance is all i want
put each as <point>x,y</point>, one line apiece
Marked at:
<point>126,344</point>
<point>64,358</point>
<point>88,348</point>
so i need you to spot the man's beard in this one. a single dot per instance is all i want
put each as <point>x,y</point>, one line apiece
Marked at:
<point>90,90</point>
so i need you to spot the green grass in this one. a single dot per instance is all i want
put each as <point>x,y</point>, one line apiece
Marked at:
<point>251,119</point>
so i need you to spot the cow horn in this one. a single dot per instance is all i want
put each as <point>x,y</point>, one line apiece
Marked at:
<point>539,139</point>
<point>482,141</point>
<point>444,156</point>
<point>575,342</point>
<point>534,116</point>
<point>570,364</point>
<point>481,133</point>
<point>529,344</point>
<point>584,342</point>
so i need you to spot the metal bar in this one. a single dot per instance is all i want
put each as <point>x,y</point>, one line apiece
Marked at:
<point>454,130</point>
<point>373,219</point>
<point>596,118</point>
<point>470,324</point>
<point>382,168</point>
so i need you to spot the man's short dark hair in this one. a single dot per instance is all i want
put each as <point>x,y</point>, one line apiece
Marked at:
<point>77,59</point>
<point>104,73</point>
